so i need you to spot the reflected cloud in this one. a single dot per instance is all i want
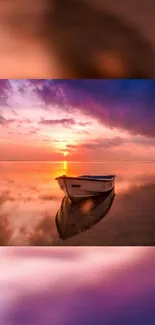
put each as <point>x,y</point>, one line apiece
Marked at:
<point>5,230</point>
<point>5,196</point>
<point>43,233</point>
<point>48,197</point>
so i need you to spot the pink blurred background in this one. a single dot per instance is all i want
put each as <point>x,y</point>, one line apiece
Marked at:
<point>77,285</point>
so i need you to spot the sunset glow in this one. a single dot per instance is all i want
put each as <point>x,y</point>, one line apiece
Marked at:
<point>82,120</point>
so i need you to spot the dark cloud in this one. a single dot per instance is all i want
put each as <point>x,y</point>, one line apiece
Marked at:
<point>71,146</point>
<point>65,122</point>
<point>58,141</point>
<point>14,112</point>
<point>33,132</point>
<point>23,121</point>
<point>125,104</point>
<point>103,143</point>
<point>84,123</point>
<point>5,122</point>
<point>5,90</point>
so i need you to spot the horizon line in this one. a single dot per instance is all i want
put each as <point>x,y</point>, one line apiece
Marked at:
<point>89,161</point>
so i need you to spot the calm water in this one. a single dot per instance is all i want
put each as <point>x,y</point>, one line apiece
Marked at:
<point>30,199</point>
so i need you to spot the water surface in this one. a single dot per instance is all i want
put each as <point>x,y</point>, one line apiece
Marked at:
<point>30,199</point>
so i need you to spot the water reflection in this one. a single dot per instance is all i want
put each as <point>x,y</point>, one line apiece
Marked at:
<point>30,198</point>
<point>5,230</point>
<point>65,166</point>
<point>75,217</point>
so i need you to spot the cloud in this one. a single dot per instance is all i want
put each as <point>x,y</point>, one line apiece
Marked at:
<point>5,122</point>
<point>100,143</point>
<point>125,104</point>
<point>71,146</point>
<point>5,196</point>
<point>32,132</point>
<point>84,123</point>
<point>64,122</point>
<point>14,112</point>
<point>103,143</point>
<point>5,90</point>
<point>48,197</point>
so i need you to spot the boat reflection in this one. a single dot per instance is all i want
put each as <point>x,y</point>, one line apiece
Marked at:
<point>75,217</point>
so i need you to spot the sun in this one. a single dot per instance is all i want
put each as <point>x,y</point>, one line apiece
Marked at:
<point>66,153</point>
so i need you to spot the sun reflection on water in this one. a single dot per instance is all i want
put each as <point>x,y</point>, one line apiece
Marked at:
<point>65,166</point>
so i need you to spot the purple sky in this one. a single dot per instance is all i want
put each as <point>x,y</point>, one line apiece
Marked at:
<point>85,119</point>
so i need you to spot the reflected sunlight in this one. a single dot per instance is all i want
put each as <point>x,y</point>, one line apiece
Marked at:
<point>65,165</point>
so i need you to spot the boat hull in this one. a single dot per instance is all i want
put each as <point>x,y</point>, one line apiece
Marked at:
<point>81,187</point>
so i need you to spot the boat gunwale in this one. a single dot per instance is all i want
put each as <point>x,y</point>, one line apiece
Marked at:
<point>85,179</point>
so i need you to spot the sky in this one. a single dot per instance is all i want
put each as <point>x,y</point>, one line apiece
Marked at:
<point>49,119</point>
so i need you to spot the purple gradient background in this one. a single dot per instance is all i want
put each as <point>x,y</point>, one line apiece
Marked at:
<point>77,286</point>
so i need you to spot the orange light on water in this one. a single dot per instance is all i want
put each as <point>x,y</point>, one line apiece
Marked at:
<point>65,166</point>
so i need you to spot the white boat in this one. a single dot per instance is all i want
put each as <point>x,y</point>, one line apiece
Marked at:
<point>85,186</point>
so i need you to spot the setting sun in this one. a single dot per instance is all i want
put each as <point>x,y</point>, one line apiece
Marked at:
<point>65,153</point>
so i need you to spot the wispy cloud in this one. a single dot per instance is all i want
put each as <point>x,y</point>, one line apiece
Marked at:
<point>65,122</point>
<point>4,121</point>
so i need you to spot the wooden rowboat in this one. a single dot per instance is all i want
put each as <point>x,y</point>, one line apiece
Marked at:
<point>85,186</point>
